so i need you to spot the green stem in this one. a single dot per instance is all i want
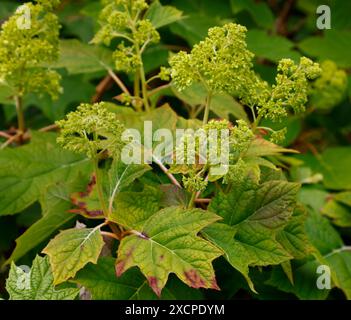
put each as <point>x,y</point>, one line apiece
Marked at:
<point>141,69</point>
<point>99,187</point>
<point>137,85</point>
<point>20,114</point>
<point>207,107</point>
<point>144,88</point>
<point>256,123</point>
<point>266,128</point>
<point>192,200</point>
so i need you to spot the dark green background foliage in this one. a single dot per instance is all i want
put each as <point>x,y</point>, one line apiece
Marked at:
<point>276,29</point>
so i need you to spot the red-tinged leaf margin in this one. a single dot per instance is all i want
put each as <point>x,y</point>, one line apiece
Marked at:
<point>79,200</point>
<point>190,276</point>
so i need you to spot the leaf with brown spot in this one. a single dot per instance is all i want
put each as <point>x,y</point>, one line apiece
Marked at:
<point>168,242</point>
<point>87,202</point>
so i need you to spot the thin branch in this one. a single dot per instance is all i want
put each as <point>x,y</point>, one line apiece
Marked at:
<point>207,108</point>
<point>119,82</point>
<point>110,235</point>
<point>198,194</point>
<point>101,88</point>
<point>280,26</point>
<point>165,170</point>
<point>10,140</point>
<point>202,200</point>
<point>51,127</point>
<point>5,135</point>
<point>153,92</point>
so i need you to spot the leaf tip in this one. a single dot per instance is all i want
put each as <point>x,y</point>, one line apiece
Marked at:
<point>153,283</point>
<point>120,268</point>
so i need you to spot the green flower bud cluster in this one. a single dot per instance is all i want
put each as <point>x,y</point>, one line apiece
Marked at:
<point>165,74</point>
<point>92,129</point>
<point>236,172</point>
<point>330,88</point>
<point>278,137</point>
<point>123,19</point>
<point>241,137</point>
<point>187,149</point>
<point>291,88</point>
<point>24,50</point>
<point>194,182</point>
<point>222,63</point>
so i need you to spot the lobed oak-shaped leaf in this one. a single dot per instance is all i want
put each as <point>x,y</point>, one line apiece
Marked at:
<point>261,148</point>
<point>168,242</point>
<point>161,16</point>
<point>121,176</point>
<point>101,281</point>
<point>27,171</point>
<point>55,203</point>
<point>330,251</point>
<point>252,218</point>
<point>294,237</point>
<point>71,250</point>
<point>132,209</point>
<point>37,284</point>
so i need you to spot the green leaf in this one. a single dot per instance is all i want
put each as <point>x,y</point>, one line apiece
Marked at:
<point>121,176</point>
<point>266,207</point>
<point>78,57</point>
<point>221,104</point>
<point>312,197</point>
<point>334,45</point>
<point>55,109</point>
<point>340,263</point>
<point>154,57</point>
<point>71,250</point>
<point>273,48</point>
<point>193,28</point>
<point>222,235</point>
<point>162,118</point>
<point>103,284</point>
<point>332,253</point>
<point>7,8</point>
<point>55,203</point>
<point>161,16</point>
<point>36,284</point>
<point>339,213</point>
<point>27,171</point>
<point>5,94</point>
<point>253,215</point>
<point>259,11</point>
<point>168,243</point>
<point>332,250</point>
<point>305,279</point>
<point>101,281</point>
<point>173,195</point>
<point>88,203</point>
<point>293,237</point>
<point>321,233</point>
<point>262,148</point>
<point>135,206</point>
<point>334,165</point>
